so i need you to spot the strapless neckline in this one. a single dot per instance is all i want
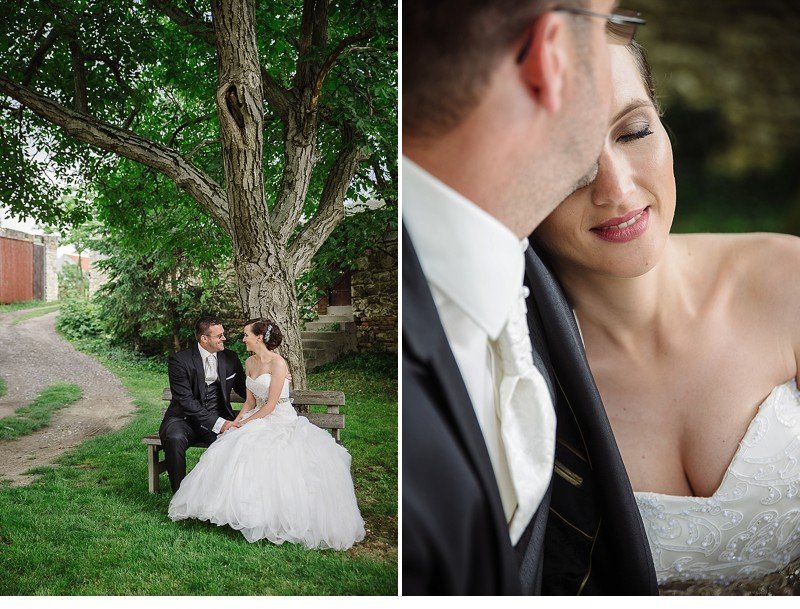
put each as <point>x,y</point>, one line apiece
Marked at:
<point>743,445</point>
<point>259,376</point>
<point>750,526</point>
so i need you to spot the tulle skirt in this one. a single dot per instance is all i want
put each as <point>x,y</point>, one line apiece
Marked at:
<point>279,478</point>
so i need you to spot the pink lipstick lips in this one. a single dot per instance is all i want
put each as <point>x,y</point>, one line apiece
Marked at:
<point>624,228</point>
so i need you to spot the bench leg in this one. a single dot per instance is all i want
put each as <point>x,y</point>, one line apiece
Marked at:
<point>153,468</point>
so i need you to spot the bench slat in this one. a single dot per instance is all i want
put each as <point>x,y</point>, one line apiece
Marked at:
<point>320,419</point>
<point>300,397</point>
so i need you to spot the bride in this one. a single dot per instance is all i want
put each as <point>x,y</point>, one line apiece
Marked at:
<point>273,475</point>
<point>694,342</point>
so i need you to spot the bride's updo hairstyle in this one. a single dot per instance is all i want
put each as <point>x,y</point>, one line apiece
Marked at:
<point>268,329</point>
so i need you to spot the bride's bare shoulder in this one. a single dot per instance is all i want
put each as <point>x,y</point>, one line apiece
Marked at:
<point>753,257</point>
<point>764,269</point>
<point>764,259</point>
<point>279,364</point>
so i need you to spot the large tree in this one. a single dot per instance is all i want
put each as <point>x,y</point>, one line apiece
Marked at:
<point>266,116</point>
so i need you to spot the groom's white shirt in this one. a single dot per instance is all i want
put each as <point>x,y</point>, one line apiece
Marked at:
<point>474,266</point>
<point>210,379</point>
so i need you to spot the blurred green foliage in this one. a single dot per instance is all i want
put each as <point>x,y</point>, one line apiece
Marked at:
<point>727,74</point>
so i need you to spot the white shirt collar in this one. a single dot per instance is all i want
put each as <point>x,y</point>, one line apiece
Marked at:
<point>203,353</point>
<point>468,254</point>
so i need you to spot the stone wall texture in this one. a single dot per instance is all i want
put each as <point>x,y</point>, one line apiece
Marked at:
<point>50,267</point>
<point>374,290</point>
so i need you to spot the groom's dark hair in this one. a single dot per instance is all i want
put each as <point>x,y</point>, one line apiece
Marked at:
<point>450,49</point>
<point>203,324</point>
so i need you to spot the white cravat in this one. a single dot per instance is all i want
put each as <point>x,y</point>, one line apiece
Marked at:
<point>211,368</point>
<point>527,418</point>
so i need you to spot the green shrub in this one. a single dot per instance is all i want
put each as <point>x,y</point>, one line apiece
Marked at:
<point>81,318</point>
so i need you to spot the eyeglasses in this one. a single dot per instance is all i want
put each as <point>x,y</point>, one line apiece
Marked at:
<point>620,25</point>
<point>216,336</point>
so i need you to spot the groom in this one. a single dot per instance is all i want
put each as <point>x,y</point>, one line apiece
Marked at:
<point>200,378</point>
<point>505,106</point>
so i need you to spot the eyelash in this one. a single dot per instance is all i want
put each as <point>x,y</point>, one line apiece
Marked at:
<point>629,137</point>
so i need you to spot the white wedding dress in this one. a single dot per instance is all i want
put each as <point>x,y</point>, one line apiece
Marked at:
<point>279,478</point>
<point>750,526</point>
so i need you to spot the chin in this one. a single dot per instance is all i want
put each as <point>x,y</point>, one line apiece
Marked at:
<point>630,268</point>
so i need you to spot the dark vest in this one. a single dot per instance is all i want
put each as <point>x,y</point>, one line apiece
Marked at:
<point>213,400</point>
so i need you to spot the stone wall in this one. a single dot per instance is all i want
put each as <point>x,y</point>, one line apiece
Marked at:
<point>50,267</point>
<point>374,289</point>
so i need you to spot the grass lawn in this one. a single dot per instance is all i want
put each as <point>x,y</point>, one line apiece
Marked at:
<point>36,312</point>
<point>88,526</point>
<point>37,414</point>
<point>28,304</point>
<point>3,387</point>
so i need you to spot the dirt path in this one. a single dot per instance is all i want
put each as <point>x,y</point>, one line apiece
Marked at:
<point>33,356</point>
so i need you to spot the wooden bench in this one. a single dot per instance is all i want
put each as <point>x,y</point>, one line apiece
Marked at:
<point>302,401</point>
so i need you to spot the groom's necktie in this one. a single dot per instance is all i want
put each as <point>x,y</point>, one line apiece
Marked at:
<point>527,418</point>
<point>211,368</point>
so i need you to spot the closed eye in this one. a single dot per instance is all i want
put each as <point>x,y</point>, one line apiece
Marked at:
<point>636,135</point>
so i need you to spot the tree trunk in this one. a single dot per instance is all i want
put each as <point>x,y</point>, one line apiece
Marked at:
<point>266,282</point>
<point>270,294</point>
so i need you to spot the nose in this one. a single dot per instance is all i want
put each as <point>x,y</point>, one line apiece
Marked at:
<point>615,182</point>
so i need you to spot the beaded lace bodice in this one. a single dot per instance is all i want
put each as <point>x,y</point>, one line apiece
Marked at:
<point>750,526</point>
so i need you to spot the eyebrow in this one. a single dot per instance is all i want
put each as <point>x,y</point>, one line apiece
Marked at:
<point>629,107</point>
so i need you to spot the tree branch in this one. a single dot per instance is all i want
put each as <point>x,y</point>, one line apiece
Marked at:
<point>331,207</point>
<point>278,98</point>
<point>79,75</point>
<point>320,35</point>
<point>304,72</point>
<point>131,117</point>
<point>112,64</point>
<point>202,144</point>
<point>192,121</point>
<point>197,27</point>
<point>127,144</point>
<point>39,56</point>
<point>326,67</point>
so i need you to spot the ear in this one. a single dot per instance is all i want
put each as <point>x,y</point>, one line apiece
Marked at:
<point>543,63</point>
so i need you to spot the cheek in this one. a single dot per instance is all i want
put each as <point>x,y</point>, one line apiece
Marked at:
<point>558,232</point>
<point>664,176</point>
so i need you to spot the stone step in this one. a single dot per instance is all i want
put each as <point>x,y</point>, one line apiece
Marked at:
<point>344,326</point>
<point>309,343</point>
<point>320,335</point>
<point>330,319</point>
<point>346,310</point>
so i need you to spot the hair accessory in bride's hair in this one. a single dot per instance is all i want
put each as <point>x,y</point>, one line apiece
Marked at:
<point>267,332</point>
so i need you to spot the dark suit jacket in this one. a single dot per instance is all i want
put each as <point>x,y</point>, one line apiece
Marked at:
<point>595,541</point>
<point>187,381</point>
<point>455,538</point>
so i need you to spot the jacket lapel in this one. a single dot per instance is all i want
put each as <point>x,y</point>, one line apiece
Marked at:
<point>222,372</point>
<point>199,372</point>
<point>427,341</point>
<point>571,370</point>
